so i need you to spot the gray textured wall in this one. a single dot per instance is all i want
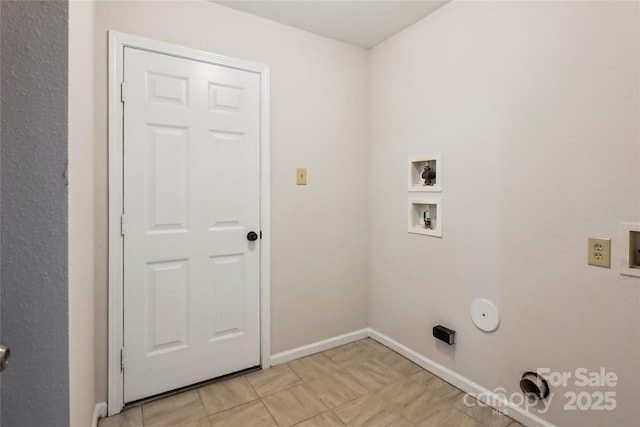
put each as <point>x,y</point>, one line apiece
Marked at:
<point>33,212</point>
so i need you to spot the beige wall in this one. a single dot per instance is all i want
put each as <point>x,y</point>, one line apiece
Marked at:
<point>534,107</point>
<point>82,231</point>
<point>318,95</point>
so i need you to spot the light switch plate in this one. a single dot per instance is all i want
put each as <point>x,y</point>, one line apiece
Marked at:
<point>301,176</point>
<point>599,252</point>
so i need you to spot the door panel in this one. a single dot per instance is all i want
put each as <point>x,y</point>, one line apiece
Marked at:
<point>226,294</point>
<point>191,195</point>
<point>168,150</point>
<point>167,308</point>
<point>226,151</point>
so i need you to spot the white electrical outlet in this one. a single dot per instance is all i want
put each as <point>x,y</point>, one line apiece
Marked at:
<point>599,252</point>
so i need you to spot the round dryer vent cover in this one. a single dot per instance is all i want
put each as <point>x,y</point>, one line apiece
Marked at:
<point>485,315</point>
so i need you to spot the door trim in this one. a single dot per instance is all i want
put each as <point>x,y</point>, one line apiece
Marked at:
<point>117,43</point>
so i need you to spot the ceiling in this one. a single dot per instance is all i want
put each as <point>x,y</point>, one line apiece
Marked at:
<point>361,23</point>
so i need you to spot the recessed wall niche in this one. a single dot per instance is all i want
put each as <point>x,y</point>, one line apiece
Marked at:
<point>425,173</point>
<point>630,238</point>
<point>425,217</point>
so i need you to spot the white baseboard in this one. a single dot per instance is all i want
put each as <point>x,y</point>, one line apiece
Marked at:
<point>100,411</point>
<point>316,347</point>
<point>514,411</point>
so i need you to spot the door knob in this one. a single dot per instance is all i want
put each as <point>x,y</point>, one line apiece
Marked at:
<point>252,236</point>
<point>5,355</point>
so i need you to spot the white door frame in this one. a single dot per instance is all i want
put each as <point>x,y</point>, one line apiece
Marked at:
<point>117,43</point>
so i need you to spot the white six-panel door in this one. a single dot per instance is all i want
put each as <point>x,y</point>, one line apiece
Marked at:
<point>191,195</point>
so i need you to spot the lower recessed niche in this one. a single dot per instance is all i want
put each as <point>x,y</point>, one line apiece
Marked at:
<point>425,217</point>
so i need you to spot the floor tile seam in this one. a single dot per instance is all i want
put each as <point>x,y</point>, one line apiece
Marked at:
<point>405,418</point>
<point>450,408</point>
<point>206,417</point>
<point>470,415</point>
<point>476,418</point>
<point>311,379</point>
<point>251,385</point>
<point>333,383</point>
<point>362,368</point>
<point>231,407</point>
<point>445,381</point>
<point>450,399</point>
<point>385,410</point>
<point>284,389</point>
<point>406,378</point>
<point>394,409</point>
<point>369,355</point>
<point>332,370</point>
<point>484,423</point>
<point>182,423</point>
<point>294,372</point>
<point>374,352</point>
<point>362,346</point>
<point>121,415</point>
<point>292,368</point>
<point>399,408</point>
<point>350,400</point>
<point>336,415</point>
<point>395,406</point>
<point>204,408</point>
<point>437,400</point>
<point>269,412</point>
<point>235,405</point>
<point>397,370</point>
<point>142,415</point>
<point>308,390</point>
<point>312,416</point>
<point>334,360</point>
<point>370,398</point>
<point>348,360</point>
<point>453,399</point>
<point>194,421</point>
<point>367,358</point>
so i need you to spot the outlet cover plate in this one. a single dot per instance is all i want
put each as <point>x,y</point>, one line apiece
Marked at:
<point>599,252</point>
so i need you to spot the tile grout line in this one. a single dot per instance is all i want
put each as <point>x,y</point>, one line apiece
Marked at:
<point>204,407</point>
<point>142,414</point>
<point>286,388</point>
<point>336,415</point>
<point>308,418</point>
<point>304,382</point>
<point>261,399</point>
<point>269,411</point>
<point>251,385</point>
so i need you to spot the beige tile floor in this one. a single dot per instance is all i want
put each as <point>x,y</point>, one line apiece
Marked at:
<point>358,384</point>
